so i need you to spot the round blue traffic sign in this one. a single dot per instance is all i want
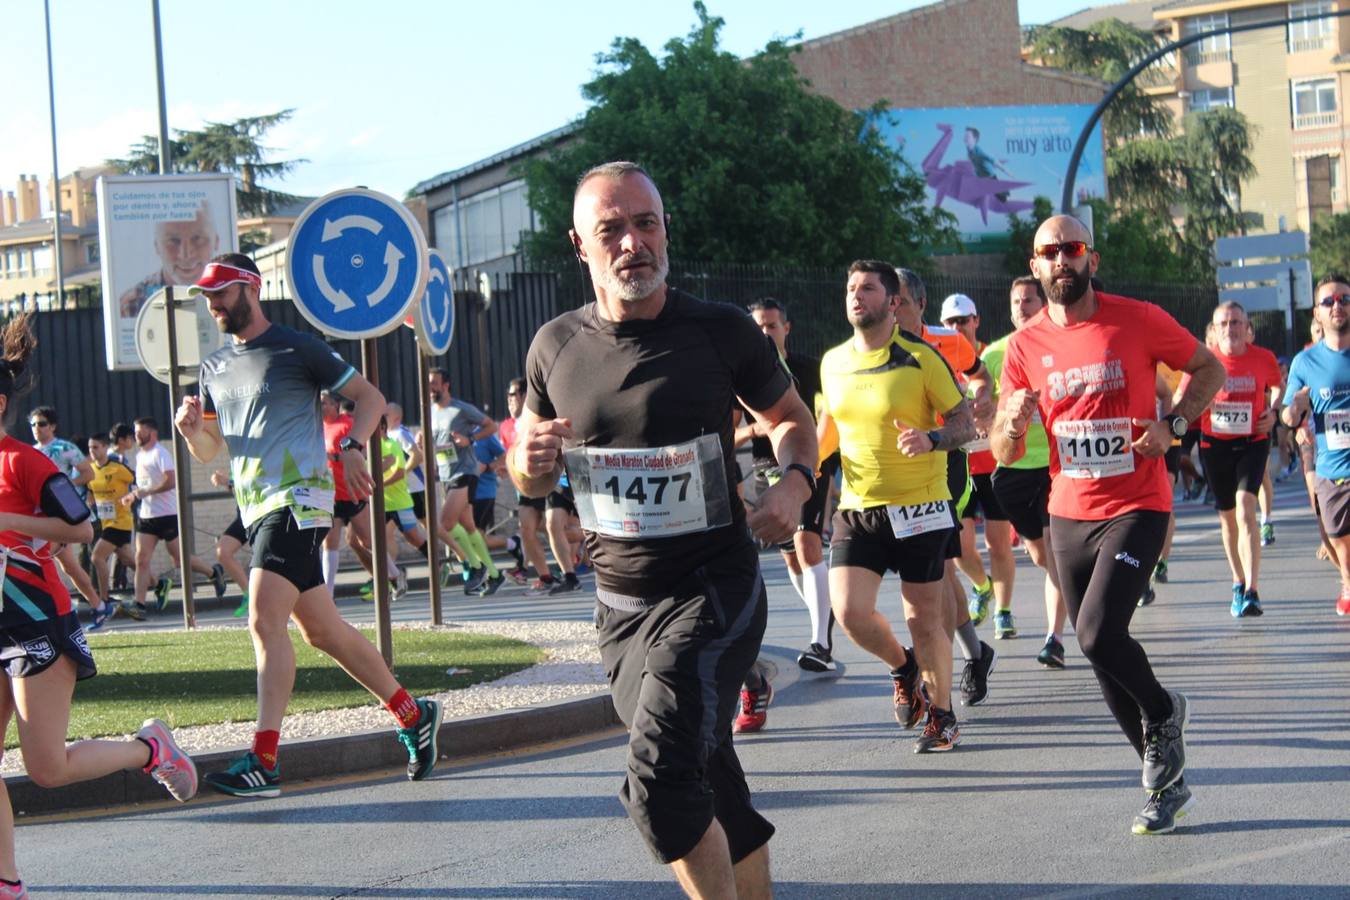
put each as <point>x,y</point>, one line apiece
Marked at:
<point>356,261</point>
<point>434,318</point>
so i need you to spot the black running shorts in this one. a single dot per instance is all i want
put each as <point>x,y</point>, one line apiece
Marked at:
<point>485,513</point>
<point>535,503</point>
<point>346,510</point>
<point>419,499</point>
<point>236,529</point>
<point>30,647</point>
<point>118,537</point>
<point>864,538</point>
<point>163,527</point>
<point>462,480</point>
<point>562,498</point>
<point>294,553</point>
<point>958,475</point>
<point>675,666</point>
<point>983,501</point>
<point>1025,496</point>
<point>1333,501</point>
<point>1237,464</point>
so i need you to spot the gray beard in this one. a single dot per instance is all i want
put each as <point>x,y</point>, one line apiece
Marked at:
<point>630,290</point>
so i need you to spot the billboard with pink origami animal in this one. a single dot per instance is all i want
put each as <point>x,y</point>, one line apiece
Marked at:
<point>982,163</point>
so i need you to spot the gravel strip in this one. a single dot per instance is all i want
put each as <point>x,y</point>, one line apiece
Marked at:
<point>571,668</point>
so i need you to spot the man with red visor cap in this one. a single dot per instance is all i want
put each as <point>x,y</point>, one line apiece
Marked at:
<point>1083,365</point>
<point>260,401</point>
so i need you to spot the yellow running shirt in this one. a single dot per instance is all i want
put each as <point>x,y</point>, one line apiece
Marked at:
<point>865,393</point>
<point>110,484</point>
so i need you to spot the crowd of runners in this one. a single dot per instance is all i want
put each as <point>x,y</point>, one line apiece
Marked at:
<point>892,453</point>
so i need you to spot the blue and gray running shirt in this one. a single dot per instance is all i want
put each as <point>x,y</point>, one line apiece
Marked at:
<point>1326,374</point>
<point>264,393</point>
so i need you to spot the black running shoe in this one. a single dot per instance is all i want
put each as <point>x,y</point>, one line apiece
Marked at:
<point>816,658</point>
<point>940,733</point>
<point>247,778</point>
<point>1164,807</point>
<point>911,700</point>
<point>1165,746</point>
<point>218,580</point>
<point>490,585</point>
<point>567,585</point>
<point>975,679</point>
<point>1052,654</point>
<point>423,740</point>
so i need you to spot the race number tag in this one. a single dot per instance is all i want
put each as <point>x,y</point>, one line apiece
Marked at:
<point>977,445</point>
<point>313,507</point>
<point>1094,448</point>
<point>107,510</point>
<point>650,492</point>
<point>1231,417</point>
<point>1336,424</point>
<point>907,521</point>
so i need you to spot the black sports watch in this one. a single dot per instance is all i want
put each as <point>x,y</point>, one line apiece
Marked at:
<point>351,443</point>
<point>805,473</point>
<point>935,436</point>
<point>1178,425</point>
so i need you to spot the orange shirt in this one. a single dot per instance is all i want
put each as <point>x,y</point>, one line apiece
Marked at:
<point>964,359</point>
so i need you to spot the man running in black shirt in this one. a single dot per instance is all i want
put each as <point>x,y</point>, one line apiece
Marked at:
<point>635,392</point>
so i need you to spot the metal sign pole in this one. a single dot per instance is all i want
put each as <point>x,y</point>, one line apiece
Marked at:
<point>384,640</point>
<point>429,485</point>
<point>182,478</point>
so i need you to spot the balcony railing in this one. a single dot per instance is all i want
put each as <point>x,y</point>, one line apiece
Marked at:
<point>1304,44</point>
<point>1197,57</point>
<point>1317,120</point>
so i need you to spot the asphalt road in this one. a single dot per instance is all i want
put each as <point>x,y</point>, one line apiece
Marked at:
<point>1037,801</point>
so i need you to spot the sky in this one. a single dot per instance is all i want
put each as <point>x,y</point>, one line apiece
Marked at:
<point>385,94</point>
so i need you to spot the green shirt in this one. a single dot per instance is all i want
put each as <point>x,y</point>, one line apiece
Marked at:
<point>396,495</point>
<point>1038,447</point>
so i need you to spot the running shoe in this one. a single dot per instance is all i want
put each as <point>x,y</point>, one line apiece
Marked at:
<point>910,700</point>
<point>1148,596</point>
<point>474,578</point>
<point>241,610</point>
<point>400,583</point>
<point>978,604</point>
<point>1052,654</point>
<point>168,765</point>
<point>975,679</point>
<point>519,575</point>
<point>1343,603</point>
<point>1267,534</point>
<point>1239,595</point>
<point>247,777</point>
<point>135,611</point>
<point>218,580</point>
<point>367,591</point>
<point>447,574</point>
<point>540,587</point>
<point>490,586</point>
<point>1165,746</point>
<point>567,585</point>
<point>940,733</point>
<point>1251,605</point>
<point>162,588</point>
<point>1160,572</point>
<point>816,658</point>
<point>1163,808</point>
<point>423,740</point>
<point>13,891</point>
<point>104,615</point>
<point>1003,625</point>
<point>754,709</point>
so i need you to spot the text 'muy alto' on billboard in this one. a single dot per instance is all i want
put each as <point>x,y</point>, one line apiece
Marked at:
<point>981,163</point>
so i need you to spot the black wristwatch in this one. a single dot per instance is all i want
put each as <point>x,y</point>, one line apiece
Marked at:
<point>1178,425</point>
<point>805,471</point>
<point>351,443</point>
<point>935,436</point>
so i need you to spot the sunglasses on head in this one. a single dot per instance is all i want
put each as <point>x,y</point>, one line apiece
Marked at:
<point>958,320</point>
<point>1071,249</point>
<point>40,423</point>
<point>1328,302</point>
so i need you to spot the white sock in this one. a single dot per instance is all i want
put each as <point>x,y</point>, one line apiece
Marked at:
<point>796,579</point>
<point>330,568</point>
<point>817,596</point>
<point>393,568</point>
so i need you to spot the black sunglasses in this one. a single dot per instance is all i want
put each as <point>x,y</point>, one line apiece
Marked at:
<point>1328,302</point>
<point>40,423</point>
<point>958,320</point>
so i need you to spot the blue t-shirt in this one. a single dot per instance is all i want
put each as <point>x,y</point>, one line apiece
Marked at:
<point>488,450</point>
<point>1326,373</point>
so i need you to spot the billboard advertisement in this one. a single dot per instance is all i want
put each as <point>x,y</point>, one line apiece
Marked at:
<point>982,163</point>
<point>156,231</point>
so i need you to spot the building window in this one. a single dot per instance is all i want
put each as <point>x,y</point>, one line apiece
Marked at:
<point>1334,179</point>
<point>1314,103</point>
<point>91,253</point>
<point>42,261</point>
<point>1315,35</point>
<point>1210,98</point>
<point>483,227</point>
<point>1211,49</point>
<point>11,264</point>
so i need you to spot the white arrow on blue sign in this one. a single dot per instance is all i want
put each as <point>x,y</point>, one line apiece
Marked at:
<point>356,261</point>
<point>434,318</point>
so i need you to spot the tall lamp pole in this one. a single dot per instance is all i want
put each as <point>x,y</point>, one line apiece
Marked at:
<point>56,169</point>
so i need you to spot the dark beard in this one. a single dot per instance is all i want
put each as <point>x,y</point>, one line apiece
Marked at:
<point>237,317</point>
<point>1067,294</point>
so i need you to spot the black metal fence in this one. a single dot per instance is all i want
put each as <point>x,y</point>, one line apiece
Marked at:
<point>490,344</point>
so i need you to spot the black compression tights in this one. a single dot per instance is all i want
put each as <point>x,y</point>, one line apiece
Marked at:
<point>1103,568</point>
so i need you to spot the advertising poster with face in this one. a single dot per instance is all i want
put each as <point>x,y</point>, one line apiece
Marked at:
<point>982,164</point>
<point>156,231</point>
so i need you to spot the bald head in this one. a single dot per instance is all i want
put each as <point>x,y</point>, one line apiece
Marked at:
<point>619,232</point>
<point>1062,228</point>
<point>1063,259</point>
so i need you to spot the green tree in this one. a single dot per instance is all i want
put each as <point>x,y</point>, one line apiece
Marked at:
<point>1329,244</point>
<point>753,167</point>
<point>234,147</point>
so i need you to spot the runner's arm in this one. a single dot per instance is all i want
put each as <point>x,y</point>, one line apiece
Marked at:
<point>47,528</point>
<point>790,428</point>
<point>370,405</point>
<point>85,474</point>
<point>535,459</point>
<point>827,436</point>
<point>981,384</point>
<point>1207,376</point>
<point>200,430</point>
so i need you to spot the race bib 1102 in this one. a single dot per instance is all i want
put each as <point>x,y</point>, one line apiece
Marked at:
<point>1094,448</point>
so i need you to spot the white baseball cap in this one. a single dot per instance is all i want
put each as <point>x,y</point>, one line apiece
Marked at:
<point>957,305</point>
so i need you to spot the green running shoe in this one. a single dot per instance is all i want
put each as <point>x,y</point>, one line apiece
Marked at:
<point>1003,625</point>
<point>247,778</point>
<point>978,605</point>
<point>423,740</point>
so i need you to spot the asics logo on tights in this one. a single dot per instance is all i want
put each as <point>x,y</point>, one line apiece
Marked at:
<point>1128,559</point>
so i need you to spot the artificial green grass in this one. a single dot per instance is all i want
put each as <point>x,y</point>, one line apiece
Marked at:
<point>207,677</point>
